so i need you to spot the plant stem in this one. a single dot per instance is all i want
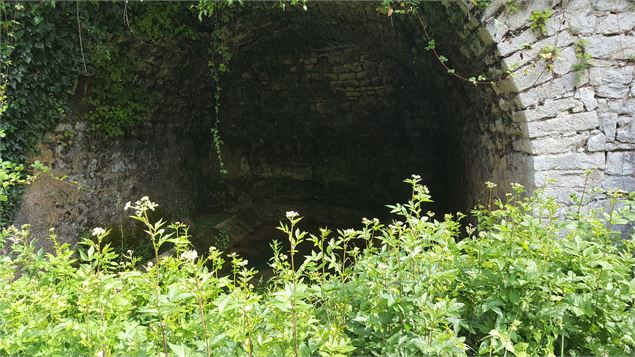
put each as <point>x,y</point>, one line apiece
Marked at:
<point>294,331</point>
<point>157,280</point>
<point>202,314</point>
<point>586,179</point>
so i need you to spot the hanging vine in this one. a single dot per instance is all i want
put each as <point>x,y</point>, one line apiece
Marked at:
<point>220,53</point>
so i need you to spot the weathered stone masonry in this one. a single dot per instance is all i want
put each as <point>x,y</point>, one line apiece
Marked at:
<point>574,120</point>
<point>315,101</point>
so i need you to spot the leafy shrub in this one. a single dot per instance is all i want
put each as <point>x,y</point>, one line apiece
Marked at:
<point>525,280</point>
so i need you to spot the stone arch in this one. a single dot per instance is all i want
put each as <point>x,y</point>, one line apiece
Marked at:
<point>529,127</point>
<point>347,53</point>
<point>574,120</point>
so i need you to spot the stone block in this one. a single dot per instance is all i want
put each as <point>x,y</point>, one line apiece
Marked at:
<point>611,47</point>
<point>562,194</point>
<point>620,163</point>
<point>563,62</point>
<point>496,29</point>
<point>580,19</point>
<point>596,141</point>
<point>521,18</point>
<point>549,109</point>
<point>587,95</point>
<point>528,54</point>
<point>625,130</point>
<point>346,76</point>
<point>611,82</point>
<point>523,145</point>
<point>616,23</point>
<point>568,178</point>
<point>612,90</point>
<point>569,161</point>
<point>557,145</point>
<point>513,44</point>
<point>531,76</point>
<point>565,124</point>
<point>613,6</point>
<point>617,146</point>
<point>608,125</point>
<point>626,106</point>
<point>626,183</point>
<point>552,89</point>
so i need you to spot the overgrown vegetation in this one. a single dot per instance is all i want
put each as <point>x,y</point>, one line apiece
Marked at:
<point>550,54</point>
<point>523,281</point>
<point>583,59</point>
<point>96,53</point>
<point>538,21</point>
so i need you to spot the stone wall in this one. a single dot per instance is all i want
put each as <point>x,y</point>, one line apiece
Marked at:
<point>575,120</point>
<point>93,176</point>
<point>338,104</point>
<point>338,122</point>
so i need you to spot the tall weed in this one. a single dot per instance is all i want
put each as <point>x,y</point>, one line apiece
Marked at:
<point>530,278</point>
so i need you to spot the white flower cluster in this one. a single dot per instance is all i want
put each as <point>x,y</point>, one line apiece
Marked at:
<point>368,222</point>
<point>141,206</point>
<point>292,214</point>
<point>98,232</point>
<point>190,255</point>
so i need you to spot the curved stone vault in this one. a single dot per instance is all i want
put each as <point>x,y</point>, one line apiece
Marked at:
<point>331,108</point>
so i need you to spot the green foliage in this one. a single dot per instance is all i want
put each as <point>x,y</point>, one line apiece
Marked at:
<point>525,281</point>
<point>550,54</point>
<point>10,177</point>
<point>539,19</point>
<point>45,46</point>
<point>37,71</point>
<point>481,4</point>
<point>512,7</point>
<point>117,97</point>
<point>583,58</point>
<point>221,240</point>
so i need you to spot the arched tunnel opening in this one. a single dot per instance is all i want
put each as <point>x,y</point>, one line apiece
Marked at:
<point>326,112</point>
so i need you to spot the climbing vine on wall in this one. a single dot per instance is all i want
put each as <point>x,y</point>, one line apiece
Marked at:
<point>38,69</point>
<point>97,53</point>
<point>53,51</point>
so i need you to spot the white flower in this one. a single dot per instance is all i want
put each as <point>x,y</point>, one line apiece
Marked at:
<point>98,232</point>
<point>349,232</point>
<point>150,265</point>
<point>416,177</point>
<point>248,308</point>
<point>190,255</point>
<point>141,206</point>
<point>292,214</point>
